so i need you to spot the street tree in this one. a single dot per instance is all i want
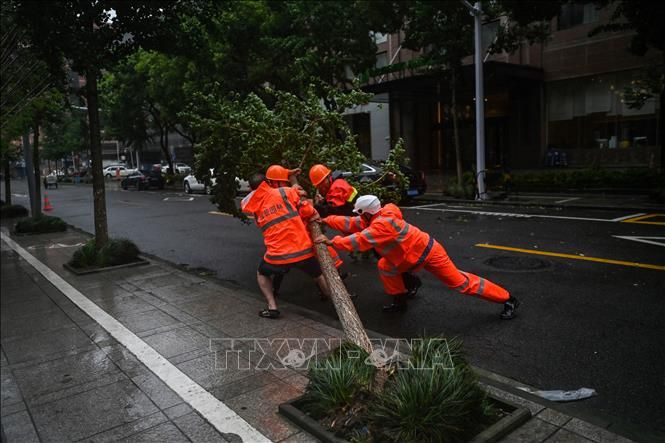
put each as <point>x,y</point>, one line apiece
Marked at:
<point>89,36</point>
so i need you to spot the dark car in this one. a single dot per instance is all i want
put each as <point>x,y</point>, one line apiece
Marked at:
<point>143,180</point>
<point>372,171</point>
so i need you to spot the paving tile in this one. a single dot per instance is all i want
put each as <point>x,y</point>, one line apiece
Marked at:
<point>248,325</point>
<point>198,430</point>
<point>25,291</point>
<point>177,341</point>
<point>126,305</point>
<point>211,370</point>
<point>301,437</point>
<point>593,432</point>
<point>19,428</point>
<point>9,389</point>
<point>166,432</point>
<point>256,381</point>
<point>40,346</point>
<point>216,305</point>
<point>12,408</point>
<point>106,292</point>
<point>555,417</point>
<point>91,412</point>
<point>33,324</point>
<point>535,430</point>
<point>157,390</point>
<point>125,360</point>
<point>29,308</point>
<point>129,429</point>
<point>259,408</point>
<point>563,436</point>
<point>178,410</point>
<point>146,320</point>
<point>56,375</point>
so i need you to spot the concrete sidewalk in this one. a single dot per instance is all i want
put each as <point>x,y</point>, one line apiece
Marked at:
<point>67,376</point>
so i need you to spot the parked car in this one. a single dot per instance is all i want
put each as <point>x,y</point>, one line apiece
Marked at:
<point>51,180</point>
<point>191,184</point>
<point>143,180</point>
<point>112,171</point>
<point>179,168</point>
<point>372,171</point>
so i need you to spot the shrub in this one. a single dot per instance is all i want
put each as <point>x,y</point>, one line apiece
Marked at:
<point>118,252</point>
<point>114,253</point>
<point>335,382</point>
<point>13,211</point>
<point>85,257</point>
<point>40,225</point>
<point>437,403</point>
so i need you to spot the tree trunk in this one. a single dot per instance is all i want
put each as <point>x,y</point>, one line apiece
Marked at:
<point>36,165</point>
<point>30,174</point>
<point>98,190</point>
<point>661,131</point>
<point>453,107</point>
<point>346,311</point>
<point>8,180</point>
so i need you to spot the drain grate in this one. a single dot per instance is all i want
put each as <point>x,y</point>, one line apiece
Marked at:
<point>517,263</point>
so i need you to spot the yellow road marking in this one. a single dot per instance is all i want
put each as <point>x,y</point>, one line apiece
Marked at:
<point>643,217</point>
<point>226,214</point>
<point>575,257</point>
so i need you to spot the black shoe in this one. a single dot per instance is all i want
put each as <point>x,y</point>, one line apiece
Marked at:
<point>509,308</point>
<point>412,288</point>
<point>398,305</point>
<point>269,313</point>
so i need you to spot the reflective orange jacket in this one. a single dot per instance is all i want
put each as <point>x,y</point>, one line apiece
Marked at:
<point>388,233</point>
<point>340,192</point>
<point>279,213</point>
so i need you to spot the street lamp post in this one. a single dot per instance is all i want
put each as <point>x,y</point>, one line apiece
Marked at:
<point>476,12</point>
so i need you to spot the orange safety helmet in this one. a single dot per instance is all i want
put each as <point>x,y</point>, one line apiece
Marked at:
<point>277,173</point>
<point>318,173</point>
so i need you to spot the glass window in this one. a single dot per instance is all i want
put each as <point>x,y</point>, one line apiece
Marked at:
<point>573,14</point>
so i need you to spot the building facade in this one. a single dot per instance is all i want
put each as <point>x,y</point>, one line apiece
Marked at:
<point>557,104</point>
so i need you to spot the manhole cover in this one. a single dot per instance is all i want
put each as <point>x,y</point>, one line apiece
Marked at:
<point>517,263</point>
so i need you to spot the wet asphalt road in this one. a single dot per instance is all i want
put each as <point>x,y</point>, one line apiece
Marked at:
<point>581,324</point>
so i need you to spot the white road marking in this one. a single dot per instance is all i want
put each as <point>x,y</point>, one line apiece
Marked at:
<point>618,219</point>
<point>641,239</point>
<point>178,199</point>
<point>19,195</point>
<point>567,200</point>
<point>506,214</point>
<point>223,418</point>
<point>55,246</point>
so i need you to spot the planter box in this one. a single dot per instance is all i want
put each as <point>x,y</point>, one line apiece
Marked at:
<point>493,433</point>
<point>73,270</point>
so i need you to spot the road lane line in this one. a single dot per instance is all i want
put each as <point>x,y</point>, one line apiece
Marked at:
<point>572,256</point>
<point>627,217</point>
<point>642,239</point>
<point>223,418</point>
<point>567,200</point>
<point>641,219</point>
<point>507,214</point>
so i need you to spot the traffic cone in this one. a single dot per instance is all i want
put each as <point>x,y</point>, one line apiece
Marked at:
<point>47,204</point>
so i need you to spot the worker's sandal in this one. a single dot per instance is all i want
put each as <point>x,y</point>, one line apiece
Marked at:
<point>509,308</point>
<point>269,313</point>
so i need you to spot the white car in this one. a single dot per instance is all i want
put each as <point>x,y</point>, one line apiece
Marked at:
<point>180,168</point>
<point>192,184</point>
<point>112,171</point>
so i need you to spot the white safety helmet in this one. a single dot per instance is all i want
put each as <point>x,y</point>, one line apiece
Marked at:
<point>369,204</point>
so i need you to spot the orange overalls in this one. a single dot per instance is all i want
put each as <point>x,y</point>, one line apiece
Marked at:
<point>279,213</point>
<point>405,248</point>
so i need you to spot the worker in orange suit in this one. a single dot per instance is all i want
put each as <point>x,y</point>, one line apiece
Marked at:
<point>254,182</point>
<point>405,248</point>
<point>281,214</point>
<point>334,196</point>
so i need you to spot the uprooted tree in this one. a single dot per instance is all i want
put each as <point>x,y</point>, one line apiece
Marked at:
<point>241,136</point>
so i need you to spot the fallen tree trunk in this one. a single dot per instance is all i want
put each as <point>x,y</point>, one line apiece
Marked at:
<point>346,311</point>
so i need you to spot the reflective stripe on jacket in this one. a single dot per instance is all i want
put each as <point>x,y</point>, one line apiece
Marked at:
<point>279,213</point>
<point>392,237</point>
<point>340,192</point>
<point>344,224</point>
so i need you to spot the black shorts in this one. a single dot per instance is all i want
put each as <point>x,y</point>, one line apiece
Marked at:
<point>309,266</point>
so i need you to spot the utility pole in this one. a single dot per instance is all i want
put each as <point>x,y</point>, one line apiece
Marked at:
<point>476,11</point>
